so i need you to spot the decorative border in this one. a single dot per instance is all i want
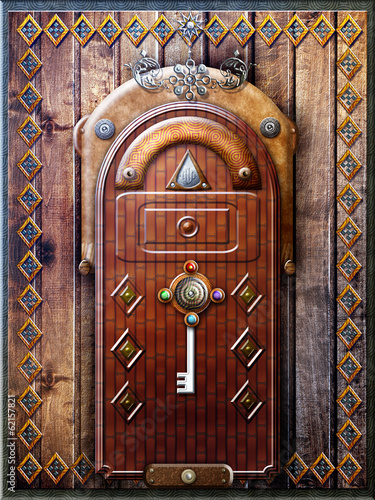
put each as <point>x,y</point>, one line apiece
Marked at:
<point>209,5</point>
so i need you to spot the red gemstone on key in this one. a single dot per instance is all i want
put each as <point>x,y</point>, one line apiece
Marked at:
<point>191,267</point>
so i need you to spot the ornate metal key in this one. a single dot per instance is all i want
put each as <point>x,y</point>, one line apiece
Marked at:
<point>186,380</point>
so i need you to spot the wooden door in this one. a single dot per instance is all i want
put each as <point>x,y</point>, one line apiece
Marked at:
<point>145,237</point>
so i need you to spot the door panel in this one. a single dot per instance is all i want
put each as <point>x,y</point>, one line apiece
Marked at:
<point>232,416</point>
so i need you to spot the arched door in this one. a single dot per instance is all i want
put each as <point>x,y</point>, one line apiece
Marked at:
<point>187,281</point>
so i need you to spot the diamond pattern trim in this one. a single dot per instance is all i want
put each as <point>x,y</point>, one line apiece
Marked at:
<point>29,401</point>
<point>296,468</point>
<point>29,299</point>
<point>29,30</point>
<point>56,30</point>
<point>127,350</point>
<point>349,266</point>
<point>247,402</point>
<point>127,296</point>
<point>29,97</point>
<point>349,367</point>
<point>348,97</point>
<point>322,30</point>
<point>29,367</point>
<point>29,434</point>
<point>349,300</point>
<point>190,28</point>
<point>82,30</point>
<point>349,434</point>
<point>349,401</point>
<point>322,468</point>
<point>269,30</point>
<point>82,468</point>
<point>349,232</point>
<point>349,165</point>
<point>29,266</point>
<point>246,295</point>
<point>29,468</point>
<point>349,131</point>
<point>29,333</point>
<point>29,64</point>
<point>348,333</point>
<point>29,131</point>
<point>295,30</point>
<point>29,165</point>
<point>127,403</point>
<point>216,30</point>
<point>135,30</point>
<point>242,30</point>
<point>29,199</point>
<point>349,468</point>
<point>29,232</point>
<point>162,30</point>
<point>349,64</point>
<point>349,198</point>
<point>349,30</point>
<point>109,30</point>
<point>56,468</point>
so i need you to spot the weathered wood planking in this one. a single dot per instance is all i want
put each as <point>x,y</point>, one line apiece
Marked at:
<point>358,182</point>
<point>57,291</point>
<point>315,256</point>
<point>274,75</point>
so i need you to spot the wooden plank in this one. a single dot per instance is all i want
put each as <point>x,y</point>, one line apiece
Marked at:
<point>274,75</point>
<point>358,182</point>
<point>315,239</point>
<point>17,350</point>
<point>57,291</point>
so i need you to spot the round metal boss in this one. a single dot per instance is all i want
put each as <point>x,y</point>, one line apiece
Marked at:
<point>129,173</point>
<point>244,174</point>
<point>191,293</point>
<point>104,129</point>
<point>270,127</point>
<point>188,476</point>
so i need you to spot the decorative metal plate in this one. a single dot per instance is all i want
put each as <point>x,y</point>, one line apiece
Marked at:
<point>29,401</point>
<point>29,29</point>
<point>349,300</point>
<point>295,30</point>
<point>348,97</point>
<point>135,30</point>
<point>349,434</point>
<point>322,468</point>
<point>162,30</point>
<point>109,30</point>
<point>29,367</point>
<point>56,30</point>
<point>29,232</point>
<point>349,131</point>
<point>83,30</point>
<point>29,468</point>
<point>216,30</point>
<point>82,468</point>
<point>29,266</point>
<point>29,97</point>
<point>29,64</point>
<point>348,333</point>
<point>269,30</point>
<point>322,30</point>
<point>349,198</point>
<point>29,333</point>
<point>349,232</point>
<point>29,299</point>
<point>29,199</point>
<point>349,266</point>
<point>29,165</point>
<point>349,401</point>
<point>349,30</point>
<point>349,64</point>
<point>190,28</point>
<point>56,468</point>
<point>349,468</point>
<point>29,434</point>
<point>349,165</point>
<point>29,131</point>
<point>349,367</point>
<point>296,468</point>
<point>242,30</point>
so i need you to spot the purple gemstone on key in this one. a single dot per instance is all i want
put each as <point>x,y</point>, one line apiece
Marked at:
<point>217,295</point>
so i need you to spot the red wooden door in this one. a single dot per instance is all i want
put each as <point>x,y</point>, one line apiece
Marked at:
<point>144,238</point>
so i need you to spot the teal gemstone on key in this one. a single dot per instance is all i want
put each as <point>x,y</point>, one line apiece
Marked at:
<point>191,319</point>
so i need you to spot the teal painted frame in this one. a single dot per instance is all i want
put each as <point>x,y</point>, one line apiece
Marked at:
<point>259,5</point>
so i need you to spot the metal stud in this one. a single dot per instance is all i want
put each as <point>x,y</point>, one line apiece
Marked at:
<point>245,174</point>
<point>129,173</point>
<point>270,127</point>
<point>104,129</point>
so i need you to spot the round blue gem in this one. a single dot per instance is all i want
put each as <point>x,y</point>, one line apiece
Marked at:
<point>191,319</point>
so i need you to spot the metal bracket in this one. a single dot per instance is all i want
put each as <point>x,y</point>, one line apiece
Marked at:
<point>188,476</point>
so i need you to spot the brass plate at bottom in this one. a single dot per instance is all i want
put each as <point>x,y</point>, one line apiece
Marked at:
<point>171,475</point>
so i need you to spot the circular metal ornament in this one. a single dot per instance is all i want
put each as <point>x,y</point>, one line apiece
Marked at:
<point>198,298</point>
<point>104,129</point>
<point>244,174</point>
<point>190,267</point>
<point>217,295</point>
<point>188,476</point>
<point>191,319</point>
<point>165,295</point>
<point>129,173</point>
<point>270,127</point>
